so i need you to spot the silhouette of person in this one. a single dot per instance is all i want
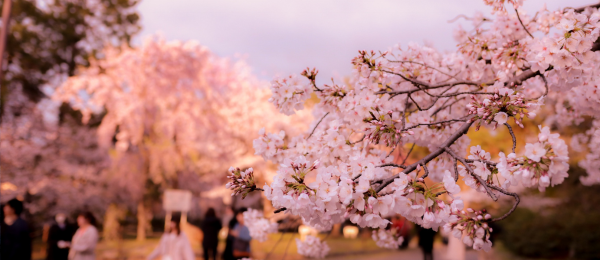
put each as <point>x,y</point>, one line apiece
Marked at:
<point>59,237</point>
<point>210,227</point>
<point>228,252</point>
<point>426,236</point>
<point>15,240</point>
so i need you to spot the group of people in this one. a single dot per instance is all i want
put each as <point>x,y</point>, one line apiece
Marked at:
<point>175,245</point>
<point>64,242</point>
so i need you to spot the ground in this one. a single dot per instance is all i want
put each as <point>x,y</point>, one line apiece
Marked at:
<point>341,248</point>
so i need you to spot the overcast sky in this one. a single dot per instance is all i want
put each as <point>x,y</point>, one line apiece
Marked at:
<point>281,37</point>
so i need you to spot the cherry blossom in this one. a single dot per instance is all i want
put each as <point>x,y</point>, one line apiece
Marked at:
<point>312,247</point>
<point>259,226</point>
<point>387,238</point>
<point>351,164</point>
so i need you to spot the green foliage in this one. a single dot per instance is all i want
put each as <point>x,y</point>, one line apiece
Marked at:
<point>50,39</point>
<point>568,229</point>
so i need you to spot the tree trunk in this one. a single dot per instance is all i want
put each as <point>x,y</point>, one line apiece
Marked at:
<point>336,230</point>
<point>142,222</point>
<point>111,230</point>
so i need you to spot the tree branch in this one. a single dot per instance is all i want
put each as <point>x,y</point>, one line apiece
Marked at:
<point>317,125</point>
<point>460,132</point>
<point>520,21</point>
<point>514,139</point>
<point>472,172</point>
<point>514,195</point>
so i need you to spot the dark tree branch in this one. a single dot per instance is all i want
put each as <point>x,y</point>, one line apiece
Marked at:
<point>512,134</point>
<point>408,154</point>
<point>520,21</point>
<point>460,132</point>
<point>472,172</point>
<point>514,195</point>
<point>455,170</point>
<point>317,125</point>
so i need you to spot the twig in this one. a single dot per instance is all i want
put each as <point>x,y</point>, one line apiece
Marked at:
<point>274,246</point>
<point>516,11</point>
<point>359,140</point>
<point>288,246</point>
<point>424,65</point>
<point>393,149</point>
<point>408,154</point>
<point>424,165</point>
<point>514,139</point>
<point>460,132</point>
<point>392,165</point>
<point>317,125</point>
<point>545,86</point>
<point>455,170</point>
<point>279,210</point>
<point>514,195</point>
<point>462,160</point>
<point>481,160</point>
<point>435,123</point>
<point>442,107</point>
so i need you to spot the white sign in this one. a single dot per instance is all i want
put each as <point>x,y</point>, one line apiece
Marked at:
<point>177,200</point>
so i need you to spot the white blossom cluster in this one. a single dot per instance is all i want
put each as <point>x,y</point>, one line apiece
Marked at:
<point>312,247</point>
<point>472,226</point>
<point>289,94</point>
<point>544,164</point>
<point>498,107</point>
<point>387,238</point>
<point>258,225</point>
<point>591,163</point>
<point>242,182</point>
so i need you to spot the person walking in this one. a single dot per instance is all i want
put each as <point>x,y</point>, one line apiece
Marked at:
<point>210,227</point>
<point>173,245</point>
<point>228,252</point>
<point>241,234</point>
<point>59,237</point>
<point>15,240</point>
<point>426,236</point>
<point>83,245</point>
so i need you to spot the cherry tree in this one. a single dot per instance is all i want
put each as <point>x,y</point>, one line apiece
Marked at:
<point>173,113</point>
<point>50,159</point>
<point>506,68</point>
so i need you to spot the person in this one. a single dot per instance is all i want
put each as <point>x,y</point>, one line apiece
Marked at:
<point>241,234</point>
<point>174,244</point>
<point>15,239</point>
<point>59,236</point>
<point>228,252</point>
<point>83,245</point>
<point>426,236</point>
<point>210,227</point>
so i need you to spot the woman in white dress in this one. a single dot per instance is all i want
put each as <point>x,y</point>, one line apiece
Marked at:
<point>83,244</point>
<point>173,245</point>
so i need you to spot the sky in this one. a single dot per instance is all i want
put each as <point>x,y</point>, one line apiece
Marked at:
<point>279,38</point>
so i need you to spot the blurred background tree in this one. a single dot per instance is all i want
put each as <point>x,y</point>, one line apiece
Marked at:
<point>48,40</point>
<point>564,228</point>
<point>49,158</point>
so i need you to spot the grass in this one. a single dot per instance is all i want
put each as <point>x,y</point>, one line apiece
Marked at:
<point>132,249</point>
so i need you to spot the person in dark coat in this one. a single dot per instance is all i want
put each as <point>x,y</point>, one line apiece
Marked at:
<point>59,236</point>
<point>210,227</point>
<point>426,236</point>
<point>15,240</point>
<point>228,252</point>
